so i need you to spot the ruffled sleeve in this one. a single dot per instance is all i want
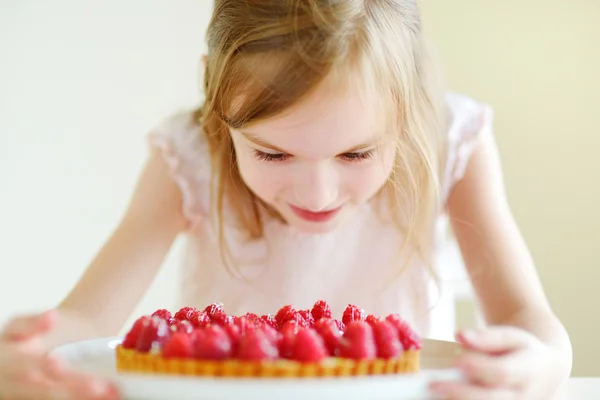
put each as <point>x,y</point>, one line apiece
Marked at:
<point>469,121</point>
<point>184,148</point>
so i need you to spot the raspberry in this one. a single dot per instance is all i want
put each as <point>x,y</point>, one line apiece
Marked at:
<point>154,331</point>
<point>181,326</point>
<point>372,319</point>
<point>222,319</point>
<point>269,320</point>
<point>252,317</point>
<point>386,340</point>
<point>255,347</point>
<point>234,334</point>
<point>358,341</point>
<point>164,314</point>
<point>271,333</point>
<point>410,339</point>
<point>244,324</point>
<point>294,317</point>
<point>328,330</point>
<point>212,344</point>
<point>185,313</point>
<point>284,314</point>
<point>131,338</point>
<point>307,317</point>
<point>215,308</point>
<point>179,345</point>
<point>286,340</point>
<point>308,346</point>
<point>321,310</point>
<point>351,314</point>
<point>200,320</point>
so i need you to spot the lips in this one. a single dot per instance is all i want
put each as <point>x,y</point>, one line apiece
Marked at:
<point>310,216</point>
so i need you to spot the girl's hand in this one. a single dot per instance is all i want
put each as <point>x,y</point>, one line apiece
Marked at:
<point>27,372</point>
<point>504,363</point>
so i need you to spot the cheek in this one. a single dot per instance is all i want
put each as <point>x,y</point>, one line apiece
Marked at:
<point>262,180</point>
<point>365,182</point>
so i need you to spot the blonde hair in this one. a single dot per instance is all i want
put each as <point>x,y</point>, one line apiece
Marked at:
<point>264,56</point>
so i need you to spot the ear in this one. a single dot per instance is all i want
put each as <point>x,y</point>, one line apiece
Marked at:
<point>204,60</point>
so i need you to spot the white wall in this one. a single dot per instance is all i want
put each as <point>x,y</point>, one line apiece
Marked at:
<point>81,83</point>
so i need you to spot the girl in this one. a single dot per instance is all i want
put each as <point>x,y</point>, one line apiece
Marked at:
<point>321,165</point>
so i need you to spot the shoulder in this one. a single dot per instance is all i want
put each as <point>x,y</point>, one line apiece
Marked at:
<point>180,141</point>
<point>469,121</point>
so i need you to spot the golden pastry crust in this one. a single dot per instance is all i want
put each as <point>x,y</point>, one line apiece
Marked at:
<point>132,361</point>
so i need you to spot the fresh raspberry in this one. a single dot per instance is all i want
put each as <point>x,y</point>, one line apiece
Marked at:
<point>308,318</point>
<point>185,313</point>
<point>286,340</point>
<point>222,319</point>
<point>200,320</point>
<point>309,346</point>
<point>358,341</point>
<point>244,324</point>
<point>328,330</point>
<point>269,320</point>
<point>351,314</point>
<point>252,317</point>
<point>410,339</point>
<point>179,345</point>
<point>131,338</point>
<point>215,308</point>
<point>162,313</point>
<point>181,326</point>
<point>284,314</point>
<point>212,344</point>
<point>386,340</point>
<point>234,333</point>
<point>372,319</point>
<point>270,333</point>
<point>321,310</point>
<point>295,318</point>
<point>153,333</point>
<point>256,347</point>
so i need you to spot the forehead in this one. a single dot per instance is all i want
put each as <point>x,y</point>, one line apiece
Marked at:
<point>329,121</point>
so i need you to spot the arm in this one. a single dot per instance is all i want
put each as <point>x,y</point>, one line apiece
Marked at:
<point>495,254</point>
<point>122,271</point>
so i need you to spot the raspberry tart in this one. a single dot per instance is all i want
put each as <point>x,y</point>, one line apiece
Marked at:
<point>291,343</point>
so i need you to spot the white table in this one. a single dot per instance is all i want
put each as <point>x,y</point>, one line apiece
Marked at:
<point>580,389</point>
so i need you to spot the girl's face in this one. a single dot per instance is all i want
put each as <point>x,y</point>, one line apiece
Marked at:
<point>316,163</point>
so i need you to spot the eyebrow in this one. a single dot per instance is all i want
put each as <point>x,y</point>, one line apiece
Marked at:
<point>260,142</point>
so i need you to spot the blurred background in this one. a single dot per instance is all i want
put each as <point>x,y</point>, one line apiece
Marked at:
<point>81,84</point>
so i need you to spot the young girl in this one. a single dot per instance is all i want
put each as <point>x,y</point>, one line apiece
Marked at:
<point>322,165</point>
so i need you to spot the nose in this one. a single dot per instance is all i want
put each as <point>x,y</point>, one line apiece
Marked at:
<point>316,187</point>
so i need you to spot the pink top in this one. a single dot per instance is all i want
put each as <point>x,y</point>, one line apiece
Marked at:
<point>346,266</point>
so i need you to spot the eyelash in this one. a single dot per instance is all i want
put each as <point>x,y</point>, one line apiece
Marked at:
<point>280,157</point>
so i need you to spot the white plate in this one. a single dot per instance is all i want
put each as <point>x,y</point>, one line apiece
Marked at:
<point>97,356</point>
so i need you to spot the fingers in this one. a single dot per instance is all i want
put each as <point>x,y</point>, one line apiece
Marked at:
<point>493,371</point>
<point>496,340</point>
<point>34,385</point>
<point>24,328</point>
<point>469,391</point>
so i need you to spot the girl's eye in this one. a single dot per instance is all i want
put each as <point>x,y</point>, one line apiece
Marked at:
<point>356,157</point>
<point>278,157</point>
<point>262,156</point>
